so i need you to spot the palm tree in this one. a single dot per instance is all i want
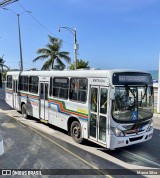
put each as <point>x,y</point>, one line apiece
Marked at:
<point>2,63</point>
<point>53,54</point>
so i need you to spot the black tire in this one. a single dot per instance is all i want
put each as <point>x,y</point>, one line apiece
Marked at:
<point>24,111</point>
<point>76,132</point>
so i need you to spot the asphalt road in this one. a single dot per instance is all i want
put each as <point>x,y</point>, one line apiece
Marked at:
<point>32,145</point>
<point>28,148</point>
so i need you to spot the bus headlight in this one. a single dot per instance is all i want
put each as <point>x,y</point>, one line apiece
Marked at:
<point>150,127</point>
<point>117,132</point>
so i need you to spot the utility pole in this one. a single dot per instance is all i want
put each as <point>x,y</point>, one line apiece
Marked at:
<point>19,35</point>
<point>20,45</point>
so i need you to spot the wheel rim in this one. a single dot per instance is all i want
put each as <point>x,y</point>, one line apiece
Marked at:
<point>76,131</point>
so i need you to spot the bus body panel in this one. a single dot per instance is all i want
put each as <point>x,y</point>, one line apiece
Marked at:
<point>59,112</point>
<point>9,97</point>
<point>32,102</point>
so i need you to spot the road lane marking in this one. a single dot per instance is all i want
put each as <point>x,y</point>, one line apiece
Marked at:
<point>142,158</point>
<point>86,162</point>
<point>20,123</point>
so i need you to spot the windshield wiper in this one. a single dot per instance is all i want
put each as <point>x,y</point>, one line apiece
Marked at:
<point>145,93</point>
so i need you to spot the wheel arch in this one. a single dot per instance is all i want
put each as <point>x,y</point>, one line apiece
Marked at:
<point>22,103</point>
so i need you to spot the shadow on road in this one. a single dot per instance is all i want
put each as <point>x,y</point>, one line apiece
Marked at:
<point>143,154</point>
<point>4,105</point>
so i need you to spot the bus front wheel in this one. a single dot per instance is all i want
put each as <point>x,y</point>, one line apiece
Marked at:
<point>76,132</point>
<point>24,111</point>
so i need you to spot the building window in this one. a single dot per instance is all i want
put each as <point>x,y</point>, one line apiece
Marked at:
<point>78,89</point>
<point>60,87</point>
<point>33,84</point>
<point>9,81</point>
<point>24,83</point>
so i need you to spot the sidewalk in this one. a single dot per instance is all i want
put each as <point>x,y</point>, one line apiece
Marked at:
<point>156,119</point>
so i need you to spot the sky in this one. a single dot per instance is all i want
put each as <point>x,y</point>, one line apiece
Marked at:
<point>112,34</point>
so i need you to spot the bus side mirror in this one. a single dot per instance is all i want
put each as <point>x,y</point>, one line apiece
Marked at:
<point>112,94</point>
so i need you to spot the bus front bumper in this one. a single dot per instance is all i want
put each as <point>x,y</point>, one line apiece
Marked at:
<point>117,142</point>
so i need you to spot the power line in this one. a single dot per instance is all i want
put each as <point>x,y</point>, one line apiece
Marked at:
<point>36,19</point>
<point>41,23</point>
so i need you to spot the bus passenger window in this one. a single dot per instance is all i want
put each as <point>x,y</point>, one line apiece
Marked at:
<point>60,87</point>
<point>33,84</point>
<point>82,95</point>
<point>9,81</point>
<point>24,83</point>
<point>78,89</point>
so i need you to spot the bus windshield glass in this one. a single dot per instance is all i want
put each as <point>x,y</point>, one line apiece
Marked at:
<point>132,104</point>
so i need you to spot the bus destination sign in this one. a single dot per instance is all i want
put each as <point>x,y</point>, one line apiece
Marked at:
<point>136,78</point>
<point>131,78</point>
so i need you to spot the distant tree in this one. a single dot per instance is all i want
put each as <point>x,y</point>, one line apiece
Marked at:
<point>2,63</point>
<point>53,54</point>
<point>80,64</point>
<point>59,67</point>
<point>33,69</point>
<point>4,75</point>
<point>14,69</point>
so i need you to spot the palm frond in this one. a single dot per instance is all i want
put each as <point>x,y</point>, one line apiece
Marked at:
<point>58,60</point>
<point>40,57</point>
<point>64,53</point>
<point>47,64</point>
<point>59,43</point>
<point>65,56</point>
<point>52,48</point>
<point>52,38</point>
<point>6,66</point>
<point>43,51</point>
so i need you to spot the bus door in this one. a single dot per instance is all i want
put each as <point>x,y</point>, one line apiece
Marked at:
<point>43,100</point>
<point>15,94</point>
<point>98,113</point>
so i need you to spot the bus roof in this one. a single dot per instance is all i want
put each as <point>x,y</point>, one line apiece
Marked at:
<point>73,73</point>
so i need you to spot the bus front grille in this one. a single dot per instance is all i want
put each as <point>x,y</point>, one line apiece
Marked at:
<point>135,139</point>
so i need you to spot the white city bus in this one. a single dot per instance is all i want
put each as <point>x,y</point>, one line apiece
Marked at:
<point>113,108</point>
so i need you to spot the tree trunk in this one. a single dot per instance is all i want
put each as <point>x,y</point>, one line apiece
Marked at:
<point>52,63</point>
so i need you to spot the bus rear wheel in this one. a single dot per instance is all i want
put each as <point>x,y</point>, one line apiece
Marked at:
<point>76,132</point>
<point>24,111</point>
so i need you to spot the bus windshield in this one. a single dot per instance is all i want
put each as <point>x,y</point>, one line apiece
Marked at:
<point>132,103</point>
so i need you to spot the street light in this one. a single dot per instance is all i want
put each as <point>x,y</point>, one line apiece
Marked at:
<point>73,31</point>
<point>6,2</point>
<point>19,33</point>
